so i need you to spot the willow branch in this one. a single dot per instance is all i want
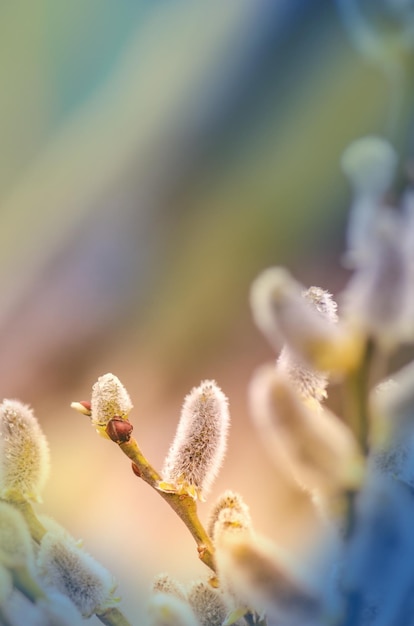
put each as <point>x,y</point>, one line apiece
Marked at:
<point>183,505</point>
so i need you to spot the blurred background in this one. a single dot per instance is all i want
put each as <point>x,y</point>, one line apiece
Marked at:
<point>155,157</point>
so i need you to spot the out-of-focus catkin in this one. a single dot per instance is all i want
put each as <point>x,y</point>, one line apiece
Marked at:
<point>207,603</point>
<point>229,500</point>
<point>165,609</point>
<point>263,578</point>
<point>64,566</point>
<point>164,583</point>
<point>317,446</point>
<point>285,317</point>
<point>24,453</point>
<point>309,382</point>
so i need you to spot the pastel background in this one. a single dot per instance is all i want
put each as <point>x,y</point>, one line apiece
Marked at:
<point>155,156</point>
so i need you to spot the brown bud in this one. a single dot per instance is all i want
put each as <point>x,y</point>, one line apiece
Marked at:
<point>119,429</point>
<point>136,470</point>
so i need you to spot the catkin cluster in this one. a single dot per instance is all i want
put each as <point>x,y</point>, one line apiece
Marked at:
<point>46,578</point>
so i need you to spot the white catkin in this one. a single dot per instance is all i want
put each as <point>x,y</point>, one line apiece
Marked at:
<point>285,317</point>
<point>199,446</point>
<point>323,302</point>
<point>164,583</point>
<point>264,578</point>
<point>285,311</point>
<point>228,500</point>
<point>231,522</point>
<point>24,453</point>
<point>309,382</point>
<point>379,298</point>
<point>207,603</point>
<point>229,526</point>
<point>165,609</point>
<point>109,399</point>
<point>316,445</point>
<point>64,566</point>
<point>16,547</point>
<point>266,292</point>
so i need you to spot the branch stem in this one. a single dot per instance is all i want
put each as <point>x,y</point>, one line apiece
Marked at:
<point>183,505</point>
<point>37,530</point>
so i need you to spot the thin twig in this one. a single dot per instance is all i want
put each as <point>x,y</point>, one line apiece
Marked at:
<point>183,504</point>
<point>37,530</point>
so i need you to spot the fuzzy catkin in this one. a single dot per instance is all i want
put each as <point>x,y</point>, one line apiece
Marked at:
<point>109,399</point>
<point>164,583</point>
<point>317,446</point>
<point>24,453</point>
<point>323,302</point>
<point>262,577</point>
<point>64,566</point>
<point>165,609</point>
<point>228,500</point>
<point>207,603</point>
<point>199,446</point>
<point>309,382</point>
<point>285,317</point>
